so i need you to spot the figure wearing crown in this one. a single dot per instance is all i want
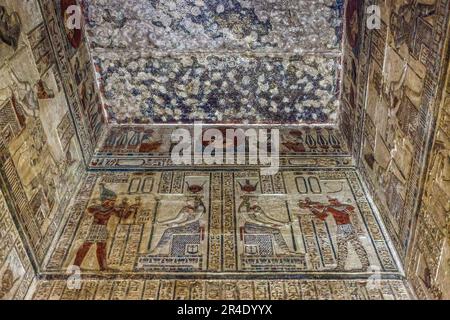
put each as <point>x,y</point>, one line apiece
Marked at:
<point>346,232</point>
<point>98,233</point>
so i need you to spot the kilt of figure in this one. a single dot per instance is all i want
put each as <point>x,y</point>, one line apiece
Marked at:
<point>97,233</point>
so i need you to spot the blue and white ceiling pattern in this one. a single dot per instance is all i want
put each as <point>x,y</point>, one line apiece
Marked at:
<point>238,61</point>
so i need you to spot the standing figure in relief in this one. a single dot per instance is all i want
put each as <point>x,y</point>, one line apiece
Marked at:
<point>98,233</point>
<point>346,232</point>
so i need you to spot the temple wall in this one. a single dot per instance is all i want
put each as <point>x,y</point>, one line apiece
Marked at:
<point>16,271</point>
<point>391,93</point>
<point>259,61</point>
<point>71,49</point>
<point>429,256</point>
<point>48,104</point>
<point>394,114</point>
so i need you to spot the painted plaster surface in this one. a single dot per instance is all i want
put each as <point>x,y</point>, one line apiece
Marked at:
<point>402,65</point>
<point>217,61</point>
<point>77,73</point>
<point>40,119</point>
<point>40,158</point>
<point>403,101</point>
<point>274,25</point>
<point>224,290</point>
<point>16,271</point>
<point>392,125</point>
<point>429,265</point>
<point>137,222</point>
<point>240,223</point>
<point>139,147</point>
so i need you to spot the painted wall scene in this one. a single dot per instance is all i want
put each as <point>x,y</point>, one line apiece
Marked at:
<point>354,96</point>
<point>296,221</point>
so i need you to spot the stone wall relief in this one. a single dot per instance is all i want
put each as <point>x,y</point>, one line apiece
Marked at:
<point>411,25</point>
<point>404,59</point>
<point>184,222</point>
<point>10,275</point>
<point>351,70</point>
<point>430,254</point>
<point>16,272</point>
<point>40,160</point>
<point>36,151</point>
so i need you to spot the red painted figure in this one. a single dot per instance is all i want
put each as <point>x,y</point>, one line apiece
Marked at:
<point>345,231</point>
<point>98,233</point>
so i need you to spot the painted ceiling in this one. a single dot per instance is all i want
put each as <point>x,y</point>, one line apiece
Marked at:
<point>239,61</point>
